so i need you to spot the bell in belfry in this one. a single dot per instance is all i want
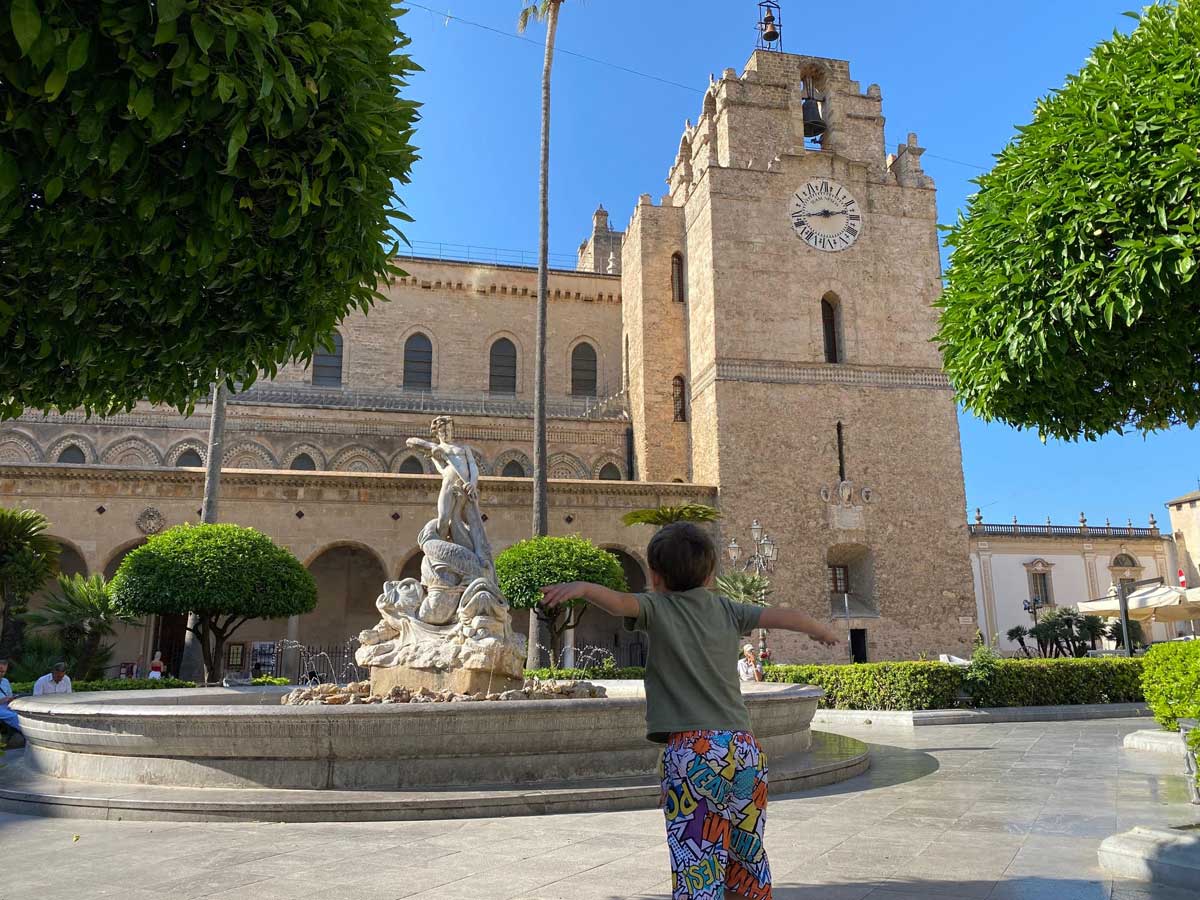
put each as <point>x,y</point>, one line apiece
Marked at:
<point>770,31</point>
<point>814,119</point>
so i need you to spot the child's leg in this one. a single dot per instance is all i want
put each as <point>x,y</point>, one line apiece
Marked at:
<point>748,876</point>
<point>697,829</point>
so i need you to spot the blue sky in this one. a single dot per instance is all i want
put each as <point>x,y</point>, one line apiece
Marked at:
<point>959,74</point>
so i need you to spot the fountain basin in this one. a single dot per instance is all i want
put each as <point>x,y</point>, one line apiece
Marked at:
<point>238,753</point>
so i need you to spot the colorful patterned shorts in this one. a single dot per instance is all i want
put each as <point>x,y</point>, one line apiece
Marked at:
<point>714,792</point>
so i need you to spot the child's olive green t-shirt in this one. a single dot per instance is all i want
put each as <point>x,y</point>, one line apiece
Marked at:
<point>691,671</point>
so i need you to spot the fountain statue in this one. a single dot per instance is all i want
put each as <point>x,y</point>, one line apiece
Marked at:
<point>451,630</point>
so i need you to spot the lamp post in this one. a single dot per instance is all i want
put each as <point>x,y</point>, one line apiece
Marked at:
<point>761,561</point>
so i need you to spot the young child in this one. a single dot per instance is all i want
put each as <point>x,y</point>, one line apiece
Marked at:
<point>714,775</point>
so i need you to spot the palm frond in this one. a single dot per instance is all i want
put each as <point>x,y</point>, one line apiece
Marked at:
<point>534,12</point>
<point>666,515</point>
<point>745,587</point>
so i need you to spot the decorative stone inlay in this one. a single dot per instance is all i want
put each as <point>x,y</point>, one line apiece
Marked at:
<point>769,371</point>
<point>150,521</point>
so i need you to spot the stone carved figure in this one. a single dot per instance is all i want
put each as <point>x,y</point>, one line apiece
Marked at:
<point>454,617</point>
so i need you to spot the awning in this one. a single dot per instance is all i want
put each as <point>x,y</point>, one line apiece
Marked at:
<point>1160,602</point>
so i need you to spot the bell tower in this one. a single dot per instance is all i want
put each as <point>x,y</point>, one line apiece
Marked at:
<point>815,399</point>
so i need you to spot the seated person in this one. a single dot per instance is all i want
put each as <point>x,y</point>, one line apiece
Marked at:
<point>7,716</point>
<point>56,681</point>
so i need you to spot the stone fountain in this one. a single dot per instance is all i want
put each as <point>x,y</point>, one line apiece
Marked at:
<point>241,754</point>
<point>451,630</point>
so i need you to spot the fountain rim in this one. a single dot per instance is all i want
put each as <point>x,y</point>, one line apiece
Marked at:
<point>122,704</point>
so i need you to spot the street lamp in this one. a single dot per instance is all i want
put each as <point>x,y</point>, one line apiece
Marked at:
<point>764,554</point>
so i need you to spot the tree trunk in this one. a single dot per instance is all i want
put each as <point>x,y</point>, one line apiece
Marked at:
<point>215,670</point>
<point>193,660</point>
<point>541,499</point>
<point>87,653</point>
<point>12,631</point>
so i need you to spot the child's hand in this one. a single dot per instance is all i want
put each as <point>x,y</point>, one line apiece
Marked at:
<point>826,637</point>
<point>554,595</point>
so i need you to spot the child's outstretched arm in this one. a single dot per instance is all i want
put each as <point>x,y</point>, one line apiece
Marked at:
<point>612,602</point>
<point>794,620</point>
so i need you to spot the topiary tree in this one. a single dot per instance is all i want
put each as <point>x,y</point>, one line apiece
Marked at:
<point>224,574</point>
<point>28,558</point>
<point>1071,295</point>
<point>195,189</point>
<point>82,614</point>
<point>526,567</point>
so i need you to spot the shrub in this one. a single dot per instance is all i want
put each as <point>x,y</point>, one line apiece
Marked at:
<point>27,560</point>
<point>882,686</point>
<point>112,684</point>
<point>225,574</point>
<point>1171,680</point>
<point>526,567</point>
<point>1059,682</point>
<point>270,679</point>
<point>632,673</point>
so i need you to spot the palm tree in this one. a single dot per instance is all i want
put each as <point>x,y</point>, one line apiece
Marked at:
<point>27,560</point>
<point>665,515</point>
<point>84,614</point>
<point>544,11</point>
<point>1019,634</point>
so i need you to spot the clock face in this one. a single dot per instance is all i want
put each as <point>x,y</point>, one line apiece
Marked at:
<point>825,215</point>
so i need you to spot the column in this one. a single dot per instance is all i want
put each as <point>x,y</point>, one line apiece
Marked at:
<point>291,656</point>
<point>568,656</point>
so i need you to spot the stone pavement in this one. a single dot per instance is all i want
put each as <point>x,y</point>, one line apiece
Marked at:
<point>1000,811</point>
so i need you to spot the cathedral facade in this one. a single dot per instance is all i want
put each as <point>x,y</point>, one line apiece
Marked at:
<point>757,338</point>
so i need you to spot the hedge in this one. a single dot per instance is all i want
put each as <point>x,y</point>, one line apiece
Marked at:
<point>631,673</point>
<point>1171,680</point>
<point>112,684</point>
<point>1062,682</point>
<point>881,686</point>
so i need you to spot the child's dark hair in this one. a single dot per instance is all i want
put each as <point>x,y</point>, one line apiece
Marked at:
<point>682,555</point>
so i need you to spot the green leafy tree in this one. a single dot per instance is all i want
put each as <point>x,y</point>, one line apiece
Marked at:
<point>28,559</point>
<point>526,567</point>
<point>745,587</point>
<point>224,574</point>
<point>665,515</point>
<point>82,614</point>
<point>1137,636</point>
<point>542,11</point>
<point>1071,296</point>
<point>190,191</point>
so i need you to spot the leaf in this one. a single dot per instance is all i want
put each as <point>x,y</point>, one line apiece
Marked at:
<point>26,23</point>
<point>53,188</point>
<point>271,23</point>
<point>56,81</point>
<point>203,33</point>
<point>268,82</point>
<point>143,102</point>
<point>237,140</point>
<point>10,174</point>
<point>77,53</point>
<point>225,87</point>
<point>170,10</point>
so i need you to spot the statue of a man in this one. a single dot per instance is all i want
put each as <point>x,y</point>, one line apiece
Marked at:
<point>460,478</point>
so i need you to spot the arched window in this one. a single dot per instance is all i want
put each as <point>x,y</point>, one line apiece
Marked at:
<point>189,459</point>
<point>327,364</point>
<point>678,291</point>
<point>830,327</point>
<point>1124,561</point>
<point>610,472</point>
<point>303,463</point>
<point>513,469</point>
<point>679,397</point>
<point>72,455</point>
<point>418,363</point>
<point>583,371</point>
<point>411,466</point>
<point>502,367</point>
